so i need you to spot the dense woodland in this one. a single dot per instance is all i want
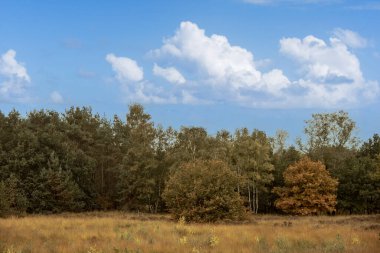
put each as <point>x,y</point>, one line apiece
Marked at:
<point>79,161</point>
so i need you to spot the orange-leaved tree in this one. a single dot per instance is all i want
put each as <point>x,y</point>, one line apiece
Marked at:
<point>309,189</point>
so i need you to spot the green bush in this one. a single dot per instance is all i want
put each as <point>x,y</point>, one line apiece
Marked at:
<point>204,191</point>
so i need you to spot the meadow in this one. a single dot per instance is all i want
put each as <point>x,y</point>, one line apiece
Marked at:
<point>126,232</point>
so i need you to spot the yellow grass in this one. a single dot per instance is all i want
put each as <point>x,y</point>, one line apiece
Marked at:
<point>121,232</point>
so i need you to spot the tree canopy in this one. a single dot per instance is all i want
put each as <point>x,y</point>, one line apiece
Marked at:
<point>77,161</point>
<point>204,191</point>
<point>309,189</point>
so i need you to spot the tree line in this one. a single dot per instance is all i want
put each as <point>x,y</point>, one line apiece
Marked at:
<point>77,161</point>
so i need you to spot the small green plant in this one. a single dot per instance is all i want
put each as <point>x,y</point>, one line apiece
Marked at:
<point>213,241</point>
<point>93,249</point>
<point>126,235</point>
<point>336,245</point>
<point>303,245</point>
<point>183,240</point>
<point>181,227</point>
<point>182,221</point>
<point>283,245</point>
<point>261,244</point>
<point>10,250</point>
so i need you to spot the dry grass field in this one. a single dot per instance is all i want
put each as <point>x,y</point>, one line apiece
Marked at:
<point>122,232</point>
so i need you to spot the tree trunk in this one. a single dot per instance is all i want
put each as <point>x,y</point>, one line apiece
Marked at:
<point>238,186</point>
<point>257,200</point>
<point>249,197</point>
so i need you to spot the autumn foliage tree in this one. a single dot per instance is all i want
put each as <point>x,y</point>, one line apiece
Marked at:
<point>309,189</point>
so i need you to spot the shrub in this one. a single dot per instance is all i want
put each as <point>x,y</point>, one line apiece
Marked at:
<point>204,191</point>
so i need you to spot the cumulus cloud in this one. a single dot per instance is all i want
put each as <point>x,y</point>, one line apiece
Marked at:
<point>130,76</point>
<point>13,77</point>
<point>329,73</point>
<point>56,97</point>
<point>220,69</point>
<point>322,61</point>
<point>275,81</point>
<point>350,38</point>
<point>125,68</point>
<point>217,60</point>
<point>171,74</point>
<point>147,92</point>
<point>332,74</point>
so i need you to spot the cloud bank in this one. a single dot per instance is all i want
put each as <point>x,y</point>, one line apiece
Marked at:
<point>218,72</point>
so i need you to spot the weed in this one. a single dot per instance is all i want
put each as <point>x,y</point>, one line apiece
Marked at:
<point>183,240</point>
<point>336,245</point>
<point>283,245</point>
<point>93,249</point>
<point>261,244</point>
<point>126,235</point>
<point>303,245</point>
<point>213,241</point>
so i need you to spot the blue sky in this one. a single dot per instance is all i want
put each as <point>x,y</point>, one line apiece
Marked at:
<point>220,64</point>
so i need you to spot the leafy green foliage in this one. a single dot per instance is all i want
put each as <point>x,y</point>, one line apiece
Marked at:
<point>12,198</point>
<point>79,161</point>
<point>251,160</point>
<point>204,191</point>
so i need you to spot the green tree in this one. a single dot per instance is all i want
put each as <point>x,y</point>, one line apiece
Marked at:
<point>55,191</point>
<point>191,143</point>
<point>204,191</point>
<point>164,144</point>
<point>136,184</point>
<point>309,189</point>
<point>331,139</point>
<point>251,159</point>
<point>330,130</point>
<point>12,198</point>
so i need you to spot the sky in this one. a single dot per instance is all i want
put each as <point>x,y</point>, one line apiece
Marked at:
<point>219,64</point>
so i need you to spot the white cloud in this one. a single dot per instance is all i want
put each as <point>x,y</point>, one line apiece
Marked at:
<point>226,68</point>
<point>332,73</point>
<point>321,61</point>
<point>275,81</point>
<point>218,62</point>
<point>134,89</point>
<point>171,74</point>
<point>13,77</point>
<point>56,97</point>
<point>126,69</point>
<point>146,92</point>
<point>218,72</point>
<point>11,68</point>
<point>350,38</point>
<point>189,98</point>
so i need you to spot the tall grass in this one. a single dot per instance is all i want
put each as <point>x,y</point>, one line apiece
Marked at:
<point>120,232</point>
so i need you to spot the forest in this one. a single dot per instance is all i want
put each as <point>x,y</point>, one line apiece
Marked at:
<point>78,161</point>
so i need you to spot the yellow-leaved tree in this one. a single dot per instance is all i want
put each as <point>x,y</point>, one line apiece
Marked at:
<point>309,189</point>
